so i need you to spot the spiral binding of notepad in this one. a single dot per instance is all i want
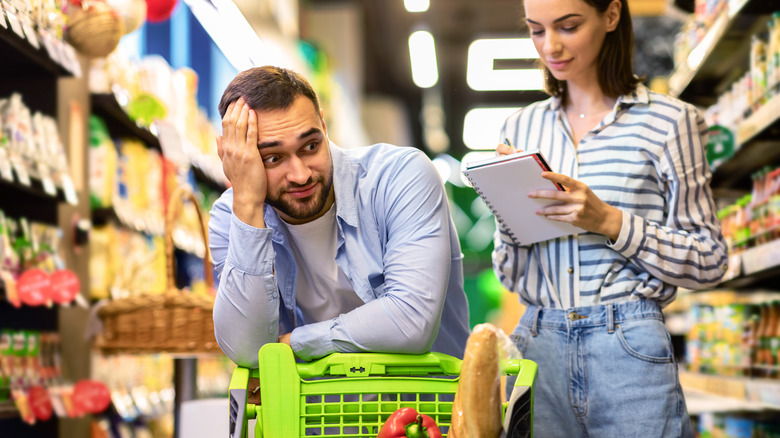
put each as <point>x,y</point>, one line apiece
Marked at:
<point>492,210</point>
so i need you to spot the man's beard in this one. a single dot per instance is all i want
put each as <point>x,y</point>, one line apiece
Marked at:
<point>301,209</point>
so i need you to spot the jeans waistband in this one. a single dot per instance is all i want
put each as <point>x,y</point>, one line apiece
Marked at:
<point>607,315</point>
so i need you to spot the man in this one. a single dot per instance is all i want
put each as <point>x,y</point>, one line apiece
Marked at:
<point>323,248</point>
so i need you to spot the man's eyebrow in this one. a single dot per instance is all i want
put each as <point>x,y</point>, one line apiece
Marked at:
<point>557,20</point>
<point>308,133</point>
<point>270,144</point>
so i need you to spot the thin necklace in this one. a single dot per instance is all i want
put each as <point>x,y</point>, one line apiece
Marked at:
<point>581,115</point>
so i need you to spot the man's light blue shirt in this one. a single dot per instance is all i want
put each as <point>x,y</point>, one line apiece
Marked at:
<point>396,243</point>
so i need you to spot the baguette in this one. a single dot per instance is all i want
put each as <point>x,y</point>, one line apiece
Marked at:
<point>476,411</point>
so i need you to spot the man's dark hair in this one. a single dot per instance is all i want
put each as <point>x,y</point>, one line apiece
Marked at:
<point>267,88</point>
<point>616,76</point>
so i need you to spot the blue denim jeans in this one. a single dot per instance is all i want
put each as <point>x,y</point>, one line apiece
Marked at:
<point>604,371</point>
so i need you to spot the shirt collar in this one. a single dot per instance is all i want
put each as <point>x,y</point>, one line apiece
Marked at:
<point>344,172</point>
<point>638,96</point>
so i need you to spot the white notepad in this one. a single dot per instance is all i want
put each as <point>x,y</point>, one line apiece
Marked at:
<point>503,183</point>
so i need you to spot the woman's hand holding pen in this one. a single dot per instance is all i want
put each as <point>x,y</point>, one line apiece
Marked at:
<point>506,149</point>
<point>578,205</point>
<point>242,163</point>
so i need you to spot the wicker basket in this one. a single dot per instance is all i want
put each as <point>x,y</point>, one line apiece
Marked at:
<point>173,322</point>
<point>94,28</point>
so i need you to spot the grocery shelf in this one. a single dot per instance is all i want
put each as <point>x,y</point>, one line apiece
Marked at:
<point>757,145</point>
<point>758,266</point>
<point>39,318</point>
<point>699,402</point>
<point>119,123</point>
<point>30,201</point>
<point>761,258</point>
<point>146,224</point>
<point>761,123</point>
<point>712,64</point>
<point>21,58</point>
<point>749,393</point>
<point>8,410</point>
<point>735,172</point>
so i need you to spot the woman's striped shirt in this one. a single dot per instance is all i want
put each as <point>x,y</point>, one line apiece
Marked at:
<point>647,158</point>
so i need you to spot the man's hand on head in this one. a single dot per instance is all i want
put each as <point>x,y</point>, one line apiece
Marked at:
<point>242,162</point>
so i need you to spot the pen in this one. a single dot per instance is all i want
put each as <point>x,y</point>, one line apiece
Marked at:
<point>507,142</point>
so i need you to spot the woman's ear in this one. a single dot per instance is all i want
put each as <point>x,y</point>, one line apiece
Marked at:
<point>612,14</point>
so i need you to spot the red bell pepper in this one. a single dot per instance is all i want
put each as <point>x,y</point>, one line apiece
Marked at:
<point>407,422</point>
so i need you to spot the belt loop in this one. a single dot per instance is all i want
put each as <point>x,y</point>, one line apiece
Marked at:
<point>610,318</point>
<point>535,321</point>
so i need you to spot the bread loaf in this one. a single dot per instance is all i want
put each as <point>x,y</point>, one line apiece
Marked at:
<point>476,412</point>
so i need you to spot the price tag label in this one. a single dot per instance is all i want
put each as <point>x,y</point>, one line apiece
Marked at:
<point>70,60</point>
<point>29,31</point>
<point>16,26</point>
<point>48,183</point>
<point>51,49</point>
<point>70,191</point>
<point>6,171</point>
<point>21,172</point>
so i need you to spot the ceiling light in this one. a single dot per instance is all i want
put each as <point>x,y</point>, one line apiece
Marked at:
<point>481,74</point>
<point>417,5</point>
<point>422,51</point>
<point>481,127</point>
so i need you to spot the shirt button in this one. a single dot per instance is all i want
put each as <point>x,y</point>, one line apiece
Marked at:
<point>570,270</point>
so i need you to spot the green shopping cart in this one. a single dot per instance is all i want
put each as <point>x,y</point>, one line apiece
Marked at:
<point>353,394</point>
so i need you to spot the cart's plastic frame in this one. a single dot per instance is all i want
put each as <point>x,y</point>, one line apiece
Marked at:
<point>352,394</point>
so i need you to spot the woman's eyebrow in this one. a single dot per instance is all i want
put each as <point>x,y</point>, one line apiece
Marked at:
<point>567,16</point>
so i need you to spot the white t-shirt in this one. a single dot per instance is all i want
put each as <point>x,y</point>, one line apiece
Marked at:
<point>323,291</point>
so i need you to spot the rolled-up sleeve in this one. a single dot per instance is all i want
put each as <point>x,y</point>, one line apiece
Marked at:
<point>688,250</point>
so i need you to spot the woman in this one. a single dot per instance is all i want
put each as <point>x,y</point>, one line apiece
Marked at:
<point>636,178</point>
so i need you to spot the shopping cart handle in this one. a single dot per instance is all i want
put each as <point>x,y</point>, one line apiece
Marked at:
<point>390,364</point>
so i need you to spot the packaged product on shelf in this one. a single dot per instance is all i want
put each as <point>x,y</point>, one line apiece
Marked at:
<point>6,171</point>
<point>734,335</point>
<point>102,264</point>
<point>17,135</point>
<point>742,236</point>
<point>737,425</point>
<point>43,158</point>
<point>773,54</point>
<point>767,355</point>
<point>18,372</point>
<point>55,152</point>
<point>102,164</point>
<point>758,56</point>
<point>140,385</point>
